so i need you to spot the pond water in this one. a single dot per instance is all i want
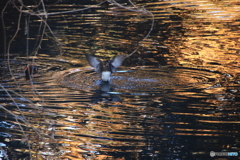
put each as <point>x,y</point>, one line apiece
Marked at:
<point>175,97</point>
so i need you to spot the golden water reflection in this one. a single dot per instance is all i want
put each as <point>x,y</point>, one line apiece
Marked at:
<point>181,86</point>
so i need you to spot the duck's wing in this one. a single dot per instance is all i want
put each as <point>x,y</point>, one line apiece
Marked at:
<point>94,62</point>
<point>117,62</point>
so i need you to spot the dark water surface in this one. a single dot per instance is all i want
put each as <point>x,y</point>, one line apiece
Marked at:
<point>176,97</point>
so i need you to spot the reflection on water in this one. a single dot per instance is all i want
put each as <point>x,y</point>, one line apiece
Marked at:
<point>140,79</point>
<point>176,97</point>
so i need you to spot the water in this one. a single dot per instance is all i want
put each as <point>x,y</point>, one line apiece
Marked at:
<point>176,97</point>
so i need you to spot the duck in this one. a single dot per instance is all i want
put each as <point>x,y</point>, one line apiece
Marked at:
<point>105,68</point>
<point>30,70</point>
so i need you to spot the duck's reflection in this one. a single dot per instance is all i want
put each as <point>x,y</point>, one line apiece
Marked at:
<point>103,94</point>
<point>105,86</point>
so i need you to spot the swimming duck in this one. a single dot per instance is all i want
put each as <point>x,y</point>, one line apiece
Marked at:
<point>105,68</point>
<point>29,71</point>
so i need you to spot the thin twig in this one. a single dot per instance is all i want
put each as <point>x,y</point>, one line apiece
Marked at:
<point>137,9</point>
<point>62,12</point>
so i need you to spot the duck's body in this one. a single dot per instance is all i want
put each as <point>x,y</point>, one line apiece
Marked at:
<point>29,71</point>
<point>105,68</point>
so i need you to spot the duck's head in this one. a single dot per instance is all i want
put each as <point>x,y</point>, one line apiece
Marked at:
<point>105,68</point>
